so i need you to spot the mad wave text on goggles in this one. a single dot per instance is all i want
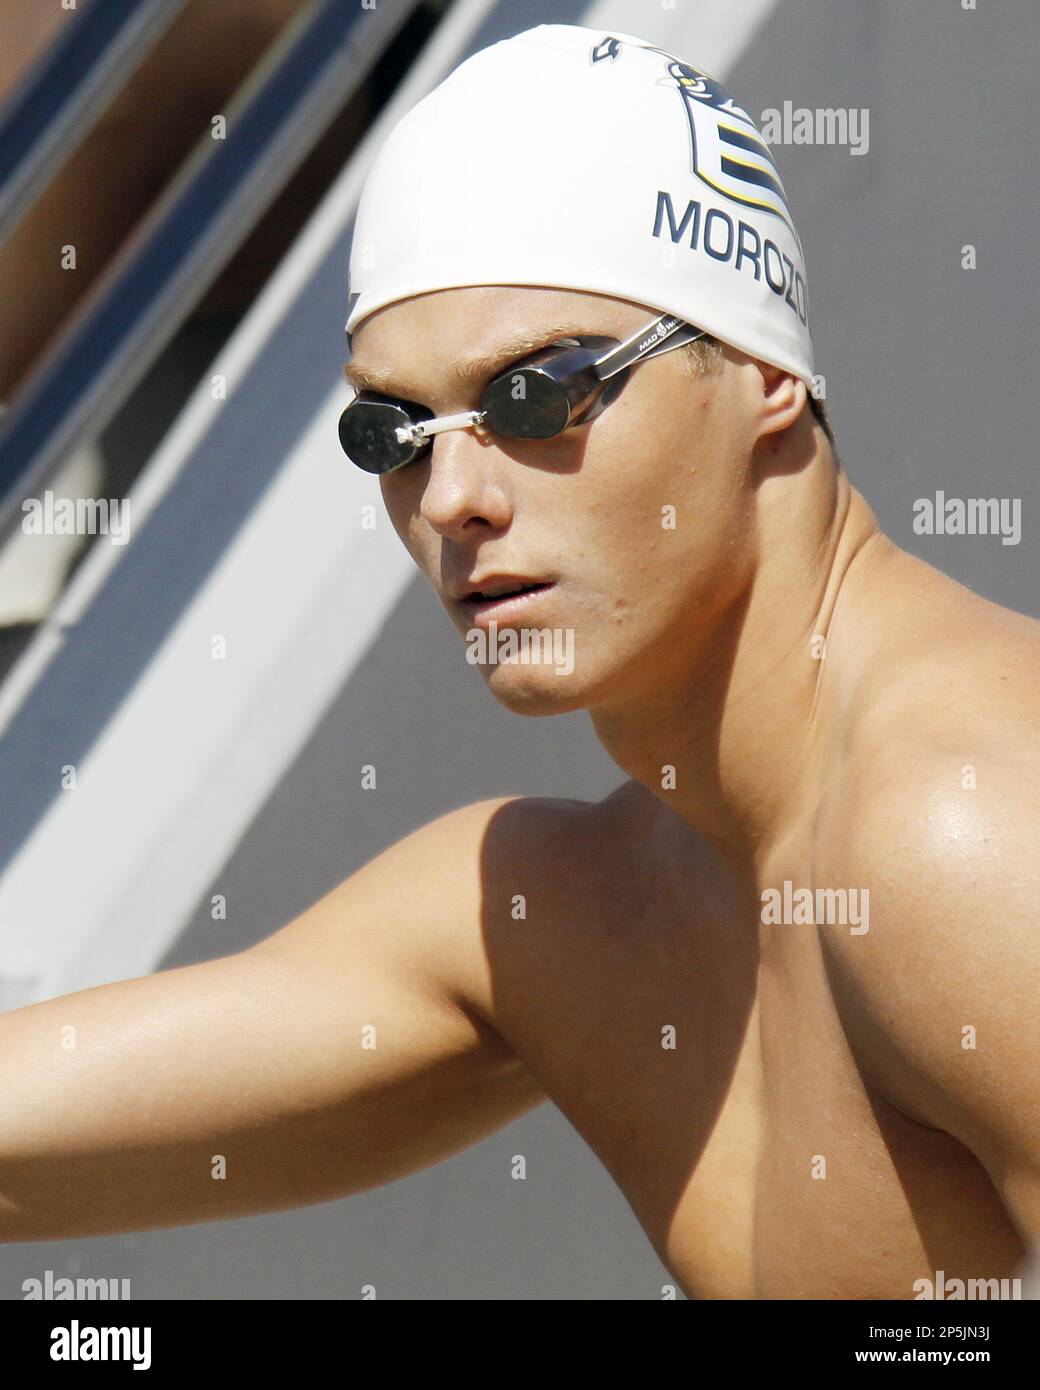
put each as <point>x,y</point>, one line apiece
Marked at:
<point>540,396</point>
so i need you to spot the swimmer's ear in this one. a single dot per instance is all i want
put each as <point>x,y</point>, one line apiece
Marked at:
<point>783,398</point>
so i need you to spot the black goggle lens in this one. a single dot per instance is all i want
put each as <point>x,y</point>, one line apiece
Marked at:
<point>367,432</point>
<point>526,404</point>
<point>523,405</point>
<point>534,400</point>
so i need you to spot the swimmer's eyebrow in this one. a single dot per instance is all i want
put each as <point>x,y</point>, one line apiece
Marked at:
<point>475,370</point>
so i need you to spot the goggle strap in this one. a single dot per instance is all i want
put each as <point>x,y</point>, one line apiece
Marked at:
<point>686,334</point>
<point>661,336</point>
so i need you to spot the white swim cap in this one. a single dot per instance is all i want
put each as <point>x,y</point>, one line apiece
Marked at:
<point>584,160</point>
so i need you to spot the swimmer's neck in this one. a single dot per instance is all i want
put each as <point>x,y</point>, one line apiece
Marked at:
<point>745,732</point>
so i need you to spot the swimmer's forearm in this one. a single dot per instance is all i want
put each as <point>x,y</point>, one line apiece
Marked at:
<point>248,1084</point>
<point>115,1103</point>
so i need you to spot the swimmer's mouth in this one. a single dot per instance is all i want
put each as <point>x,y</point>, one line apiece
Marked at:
<point>498,590</point>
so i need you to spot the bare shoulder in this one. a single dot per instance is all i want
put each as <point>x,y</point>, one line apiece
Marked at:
<point>936,663</point>
<point>440,906</point>
<point>942,725</point>
<point>944,722</point>
<point>934,813</point>
<point>561,869</point>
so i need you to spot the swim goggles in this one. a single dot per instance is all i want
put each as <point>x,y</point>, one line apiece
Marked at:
<point>538,397</point>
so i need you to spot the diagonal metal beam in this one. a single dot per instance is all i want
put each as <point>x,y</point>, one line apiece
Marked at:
<point>60,98</point>
<point>189,237</point>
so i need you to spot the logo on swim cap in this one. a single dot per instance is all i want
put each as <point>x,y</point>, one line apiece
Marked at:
<point>727,151</point>
<point>663,193</point>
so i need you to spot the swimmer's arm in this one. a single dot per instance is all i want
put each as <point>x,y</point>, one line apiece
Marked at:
<point>333,1056</point>
<point>954,959</point>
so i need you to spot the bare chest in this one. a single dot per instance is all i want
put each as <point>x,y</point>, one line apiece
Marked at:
<point>720,1090</point>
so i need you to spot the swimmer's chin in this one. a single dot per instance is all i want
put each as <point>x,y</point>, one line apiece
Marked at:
<point>537,692</point>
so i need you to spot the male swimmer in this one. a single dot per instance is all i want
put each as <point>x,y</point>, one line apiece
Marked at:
<point>784,980</point>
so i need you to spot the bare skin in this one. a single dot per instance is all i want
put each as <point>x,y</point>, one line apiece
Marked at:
<point>823,1126</point>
